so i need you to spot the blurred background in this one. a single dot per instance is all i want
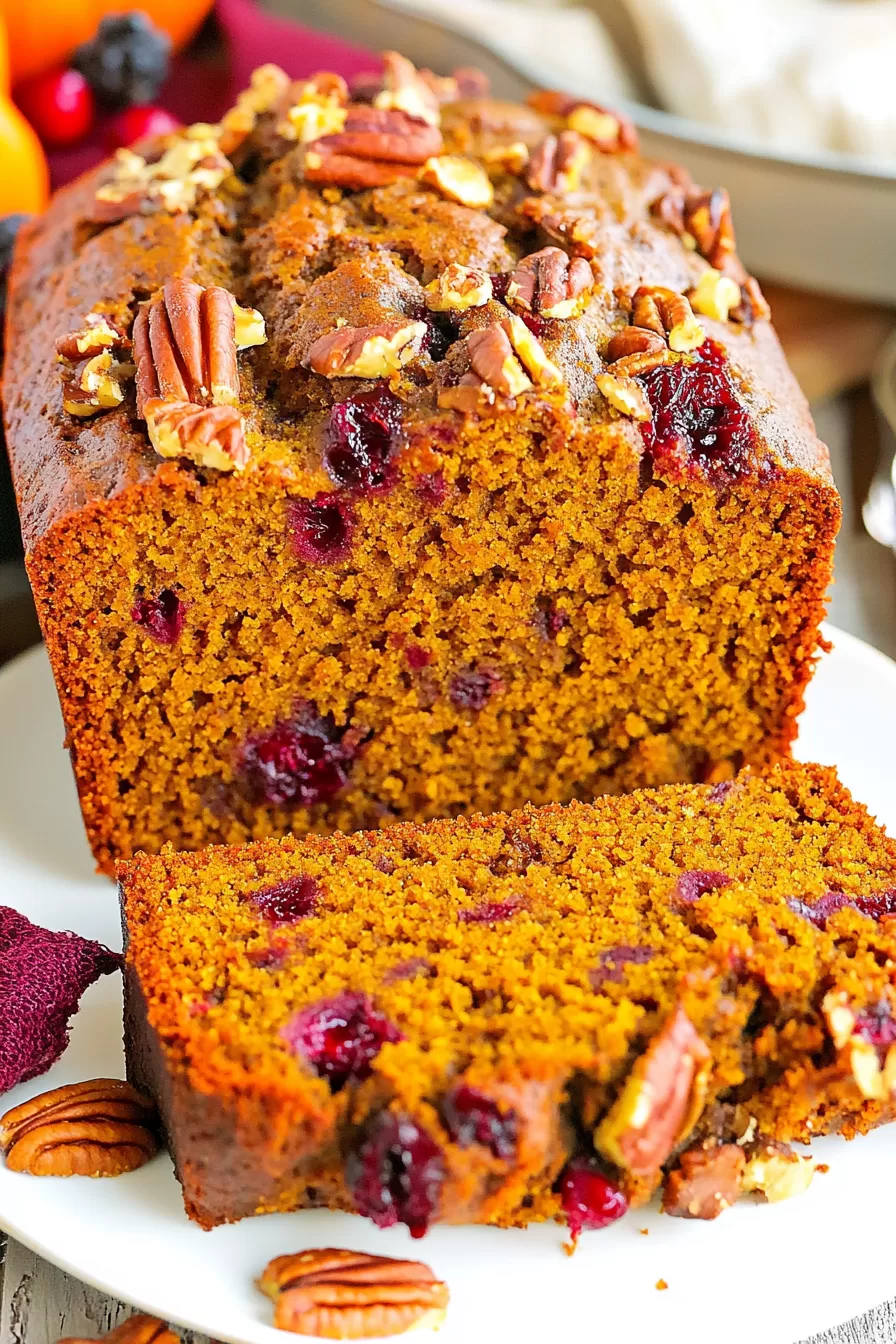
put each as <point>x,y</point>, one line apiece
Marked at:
<point>787,103</point>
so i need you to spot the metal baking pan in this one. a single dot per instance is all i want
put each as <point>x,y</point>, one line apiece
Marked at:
<point>818,221</point>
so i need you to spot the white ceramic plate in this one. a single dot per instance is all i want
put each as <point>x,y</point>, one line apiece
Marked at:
<point>775,1273</point>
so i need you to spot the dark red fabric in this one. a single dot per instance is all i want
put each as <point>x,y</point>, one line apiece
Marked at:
<point>199,89</point>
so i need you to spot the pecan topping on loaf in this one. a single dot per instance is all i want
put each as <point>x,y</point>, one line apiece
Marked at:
<point>551,284</point>
<point>94,384</point>
<point>268,87</point>
<point>320,109</point>
<point>578,232</point>
<point>191,164</point>
<point>865,1042</point>
<point>508,359</point>
<point>459,179</point>
<point>459,287</point>
<point>138,1329</point>
<point>668,315</point>
<point>625,395</point>
<point>339,1294</point>
<point>100,1128</point>
<point>405,90</point>
<point>557,164</point>
<point>611,132</point>
<point>185,348</point>
<point>97,333</point>
<point>366,352</point>
<point>715,295</point>
<point>376,146</point>
<point>660,1101</point>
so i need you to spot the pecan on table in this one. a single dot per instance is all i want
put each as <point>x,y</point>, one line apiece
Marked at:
<point>100,1128</point>
<point>340,1294</point>
<point>707,1180</point>
<point>138,1329</point>
<point>660,1101</point>
<point>376,146</point>
<point>551,284</point>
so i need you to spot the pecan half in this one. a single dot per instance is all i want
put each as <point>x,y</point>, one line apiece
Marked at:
<point>542,370</point>
<point>376,146</point>
<point>458,288</point>
<point>138,1329</point>
<point>701,217</point>
<point>192,164</point>
<point>661,1100</point>
<point>186,342</point>
<point>551,284</point>
<point>366,352</point>
<point>210,436</point>
<point>268,88</point>
<point>492,359</point>
<point>98,332</point>
<point>339,1294</point>
<point>635,341</point>
<point>459,179</point>
<point>557,164</point>
<point>100,1128</point>
<point>611,132</point>
<point>708,1180</point>
<point>94,385</point>
<point>669,315</point>
<point>405,90</point>
<point>774,1170</point>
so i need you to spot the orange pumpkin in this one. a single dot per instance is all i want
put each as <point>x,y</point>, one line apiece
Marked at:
<point>4,60</point>
<point>43,33</point>
<point>24,177</point>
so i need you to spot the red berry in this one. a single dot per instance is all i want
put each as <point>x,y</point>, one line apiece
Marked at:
<point>340,1037</point>
<point>589,1199</point>
<point>59,105</point>
<point>139,123</point>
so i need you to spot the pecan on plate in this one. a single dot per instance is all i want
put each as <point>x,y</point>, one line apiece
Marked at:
<point>339,1294</point>
<point>557,164</point>
<point>551,284</point>
<point>611,132</point>
<point>775,1171</point>
<point>707,1180</point>
<point>138,1329</point>
<point>405,90</point>
<point>100,1128</point>
<point>458,288</point>
<point>660,1101</point>
<point>376,146</point>
<point>94,384</point>
<point>268,88</point>
<point>210,436</point>
<point>459,179</point>
<point>366,352</point>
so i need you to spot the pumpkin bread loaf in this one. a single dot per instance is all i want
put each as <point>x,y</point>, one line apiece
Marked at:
<point>400,458</point>
<point>518,1017</point>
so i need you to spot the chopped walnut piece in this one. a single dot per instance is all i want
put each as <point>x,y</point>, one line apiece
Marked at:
<point>660,1102</point>
<point>458,288</point>
<point>192,163</point>
<point>542,370</point>
<point>94,385</point>
<point>557,164</point>
<point>366,352</point>
<point>493,359</point>
<point>775,1170</point>
<point>319,110</point>
<point>578,232</point>
<point>551,284</point>
<point>248,326</point>
<point>268,87</point>
<point>459,179</point>
<point>669,315</point>
<point>405,91</point>
<point>511,158</point>
<point>469,395</point>
<point>97,333</point>
<point>210,436</point>
<point>708,1180</point>
<point>714,295</point>
<point>625,395</point>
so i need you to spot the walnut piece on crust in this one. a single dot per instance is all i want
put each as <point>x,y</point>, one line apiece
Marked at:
<point>458,288</point>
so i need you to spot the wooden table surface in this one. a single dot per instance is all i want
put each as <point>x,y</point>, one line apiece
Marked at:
<point>39,1304</point>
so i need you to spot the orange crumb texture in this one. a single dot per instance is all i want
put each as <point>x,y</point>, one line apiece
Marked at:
<point>528,960</point>
<point>661,1285</point>
<point>525,598</point>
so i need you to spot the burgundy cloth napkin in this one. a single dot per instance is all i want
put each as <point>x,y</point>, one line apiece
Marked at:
<point>201,88</point>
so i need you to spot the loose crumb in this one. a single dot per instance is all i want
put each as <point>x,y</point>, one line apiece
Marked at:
<point>644,1231</point>
<point>661,1285</point>
<point>822,1167</point>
